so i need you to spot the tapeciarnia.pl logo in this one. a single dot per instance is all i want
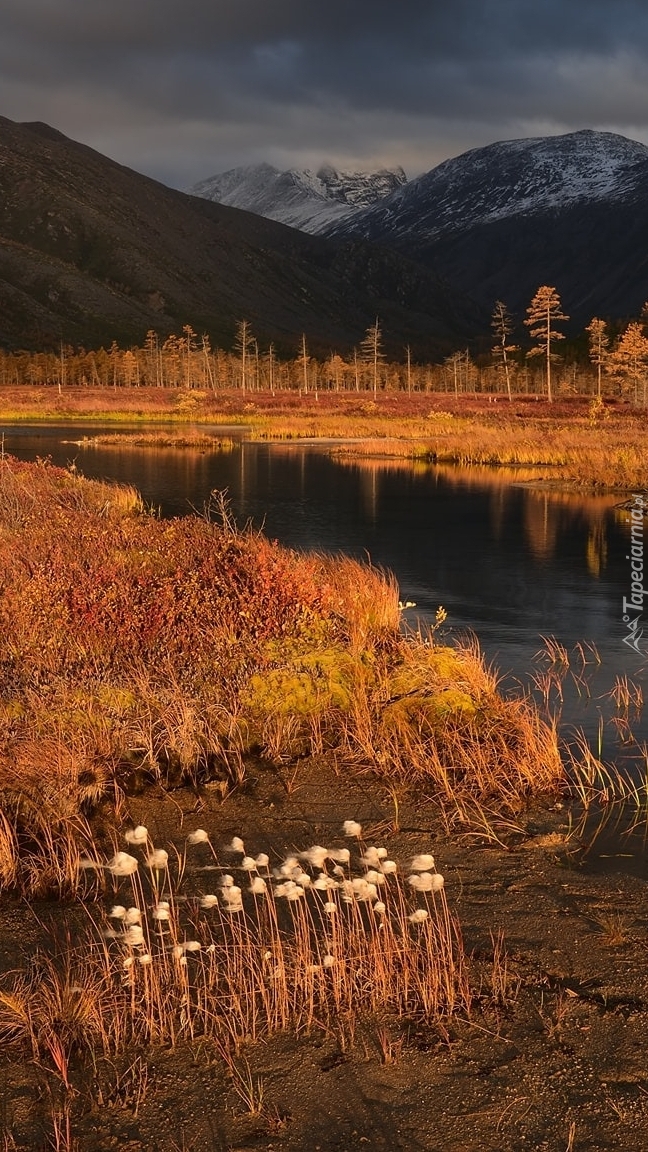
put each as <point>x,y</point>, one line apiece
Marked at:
<point>634,604</point>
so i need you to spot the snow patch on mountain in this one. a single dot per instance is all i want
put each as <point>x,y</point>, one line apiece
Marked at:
<point>508,179</point>
<point>311,201</point>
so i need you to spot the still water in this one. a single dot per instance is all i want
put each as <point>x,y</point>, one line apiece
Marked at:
<point>511,562</point>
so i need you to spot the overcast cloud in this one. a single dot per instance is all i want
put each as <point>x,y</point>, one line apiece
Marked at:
<point>181,90</point>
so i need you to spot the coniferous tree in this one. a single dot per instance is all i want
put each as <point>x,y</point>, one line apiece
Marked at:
<point>598,347</point>
<point>502,325</point>
<point>371,352</point>
<point>543,313</point>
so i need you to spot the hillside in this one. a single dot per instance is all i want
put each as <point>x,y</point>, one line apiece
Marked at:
<point>91,251</point>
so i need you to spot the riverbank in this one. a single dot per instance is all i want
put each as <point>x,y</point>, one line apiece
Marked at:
<point>577,444</point>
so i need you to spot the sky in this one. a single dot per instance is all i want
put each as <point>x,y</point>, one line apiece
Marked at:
<point>183,89</point>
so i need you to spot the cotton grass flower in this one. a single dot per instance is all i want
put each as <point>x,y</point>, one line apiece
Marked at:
<point>248,864</point>
<point>138,835</point>
<point>236,845</point>
<point>208,901</point>
<point>122,864</point>
<point>117,912</point>
<point>352,828</point>
<point>132,916</point>
<point>192,946</point>
<point>422,863</point>
<point>389,867</point>
<point>328,961</point>
<point>198,837</point>
<point>418,917</point>
<point>379,907</point>
<point>339,855</point>
<point>373,877</point>
<point>315,855</point>
<point>227,881</point>
<point>373,856</point>
<point>262,860</point>
<point>426,882</point>
<point>258,886</point>
<point>145,959</point>
<point>161,911</point>
<point>330,908</point>
<point>177,952</point>
<point>134,936</point>
<point>324,883</point>
<point>157,860</point>
<point>127,962</point>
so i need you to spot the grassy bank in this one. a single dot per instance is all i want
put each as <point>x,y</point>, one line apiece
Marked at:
<point>572,441</point>
<point>138,650</point>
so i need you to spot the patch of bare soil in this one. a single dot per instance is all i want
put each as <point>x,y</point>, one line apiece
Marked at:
<point>552,1058</point>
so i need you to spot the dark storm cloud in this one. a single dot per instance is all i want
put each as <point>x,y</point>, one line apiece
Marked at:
<point>183,89</point>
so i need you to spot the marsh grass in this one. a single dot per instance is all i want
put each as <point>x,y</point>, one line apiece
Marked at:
<point>315,954</point>
<point>142,651</point>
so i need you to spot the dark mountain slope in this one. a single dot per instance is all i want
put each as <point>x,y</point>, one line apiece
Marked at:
<point>91,251</point>
<point>571,211</point>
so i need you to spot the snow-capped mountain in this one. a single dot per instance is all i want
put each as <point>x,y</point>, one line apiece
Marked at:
<point>497,222</point>
<point>505,180</point>
<point>303,199</point>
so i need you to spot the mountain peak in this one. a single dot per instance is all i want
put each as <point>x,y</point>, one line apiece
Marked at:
<point>311,201</point>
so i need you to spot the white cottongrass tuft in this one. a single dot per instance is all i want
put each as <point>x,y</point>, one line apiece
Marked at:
<point>177,952</point>
<point>289,890</point>
<point>352,828</point>
<point>198,837</point>
<point>157,859</point>
<point>236,845</point>
<point>379,907</point>
<point>248,863</point>
<point>389,867</point>
<point>258,886</point>
<point>161,911</point>
<point>315,855</point>
<point>86,863</point>
<point>231,894</point>
<point>145,959</point>
<point>122,864</point>
<point>324,883</point>
<point>422,863</point>
<point>132,916</point>
<point>137,835</point>
<point>134,936</point>
<point>227,881</point>
<point>373,877</point>
<point>117,912</point>
<point>340,855</point>
<point>262,860</point>
<point>328,961</point>
<point>192,946</point>
<point>373,856</point>
<point>208,901</point>
<point>426,882</point>
<point>127,962</point>
<point>419,916</point>
<point>330,907</point>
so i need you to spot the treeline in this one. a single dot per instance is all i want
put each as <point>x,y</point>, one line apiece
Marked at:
<point>616,366</point>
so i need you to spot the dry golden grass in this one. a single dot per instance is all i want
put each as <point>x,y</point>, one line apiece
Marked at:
<point>173,651</point>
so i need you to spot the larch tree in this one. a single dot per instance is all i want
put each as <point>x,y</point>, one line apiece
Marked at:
<point>502,325</point>
<point>630,359</point>
<point>599,342</point>
<point>244,345</point>
<point>543,313</point>
<point>371,352</point>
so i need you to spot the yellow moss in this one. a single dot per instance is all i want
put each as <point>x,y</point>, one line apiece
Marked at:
<point>307,683</point>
